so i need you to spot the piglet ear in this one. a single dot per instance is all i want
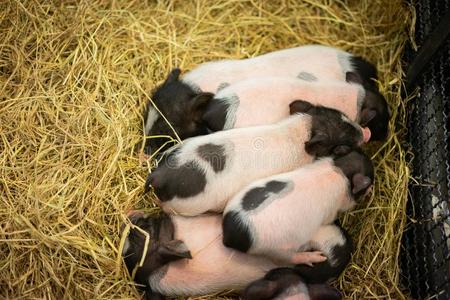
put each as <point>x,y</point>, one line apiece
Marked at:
<point>341,150</point>
<point>323,291</point>
<point>367,115</point>
<point>353,77</point>
<point>173,75</point>
<point>360,183</point>
<point>173,250</point>
<point>313,146</point>
<point>299,106</point>
<point>200,101</point>
<point>260,290</point>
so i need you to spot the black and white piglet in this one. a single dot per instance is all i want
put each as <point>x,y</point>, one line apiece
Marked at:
<point>278,215</point>
<point>286,284</point>
<point>263,101</point>
<point>204,172</point>
<point>310,62</point>
<point>186,256</point>
<point>184,101</point>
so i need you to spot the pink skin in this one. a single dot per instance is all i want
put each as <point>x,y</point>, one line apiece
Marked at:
<point>213,267</point>
<point>266,100</point>
<point>307,258</point>
<point>314,196</point>
<point>321,61</point>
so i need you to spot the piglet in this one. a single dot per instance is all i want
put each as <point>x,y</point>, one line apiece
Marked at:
<point>278,215</point>
<point>267,100</point>
<point>186,257</point>
<point>286,284</point>
<point>204,172</point>
<point>310,62</point>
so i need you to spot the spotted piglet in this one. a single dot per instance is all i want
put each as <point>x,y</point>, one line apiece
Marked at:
<point>183,101</point>
<point>262,101</point>
<point>286,284</point>
<point>310,62</point>
<point>186,257</point>
<point>204,172</point>
<point>278,215</point>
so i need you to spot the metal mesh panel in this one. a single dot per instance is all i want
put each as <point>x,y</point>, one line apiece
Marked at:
<point>425,260</point>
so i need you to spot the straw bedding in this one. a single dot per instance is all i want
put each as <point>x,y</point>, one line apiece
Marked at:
<point>74,78</point>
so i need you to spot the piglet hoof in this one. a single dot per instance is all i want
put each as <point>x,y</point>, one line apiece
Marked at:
<point>308,258</point>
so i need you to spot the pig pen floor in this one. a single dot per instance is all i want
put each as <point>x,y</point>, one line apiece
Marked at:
<point>74,79</point>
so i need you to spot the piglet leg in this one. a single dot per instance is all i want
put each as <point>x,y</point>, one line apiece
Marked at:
<point>308,258</point>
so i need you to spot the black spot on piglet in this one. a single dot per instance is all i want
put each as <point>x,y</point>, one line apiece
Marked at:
<point>214,155</point>
<point>236,234</point>
<point>258,195</point>
<point>307,76</point>
<point>184,181</point>
<point>216,114</point>
<point>222,86</point>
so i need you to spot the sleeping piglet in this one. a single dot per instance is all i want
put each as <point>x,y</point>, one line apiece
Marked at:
<point>286,284</point>
<point>204,172</point>
<point>184,101</point>
<point>278,215</point>
<point>186,257</point>
<point>266,100</point>
<point>310,62</point>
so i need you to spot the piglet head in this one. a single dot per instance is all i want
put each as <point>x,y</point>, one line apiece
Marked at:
<point>274,284</point>
<point>162,248</point>
<point>358,168</point>
<point>321,291</point>
<point>332,133</point>
<point>284,283</point>
<point>374,111</point>
<point>182,106</point>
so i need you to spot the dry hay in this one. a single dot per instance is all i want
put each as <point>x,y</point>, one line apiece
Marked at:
<point>74,78</point>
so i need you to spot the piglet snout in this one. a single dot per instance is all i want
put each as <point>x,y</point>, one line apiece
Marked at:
<point>366,134</point>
